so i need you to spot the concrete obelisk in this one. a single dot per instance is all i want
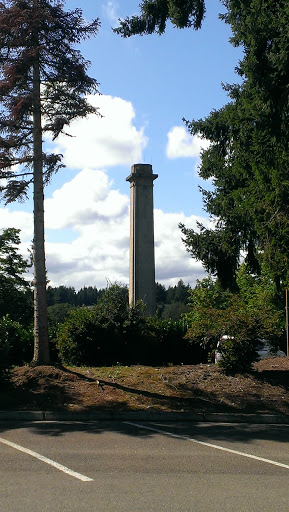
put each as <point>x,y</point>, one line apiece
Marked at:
<point>142,255</point>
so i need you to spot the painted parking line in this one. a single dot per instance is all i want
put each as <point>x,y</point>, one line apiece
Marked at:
<point>210,445</point>
<point>56,465</point>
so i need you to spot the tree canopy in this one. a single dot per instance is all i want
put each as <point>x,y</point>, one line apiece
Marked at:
<point>41,33</point>
<point>248,158</point>
<point>15,293</point>
<point>154,15</point>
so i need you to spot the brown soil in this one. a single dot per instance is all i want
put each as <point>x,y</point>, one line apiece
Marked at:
<point>191,388</point>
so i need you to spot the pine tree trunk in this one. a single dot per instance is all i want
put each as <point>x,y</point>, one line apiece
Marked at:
<point>41,343</point>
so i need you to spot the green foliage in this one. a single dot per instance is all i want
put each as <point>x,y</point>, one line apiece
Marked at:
<point>238,354</point>
<point>101,335</point>
<point>60,295</point>
<point>161,295</point>
<point>44,86</point>
<point>169,343</point>
<point>37,42</point>
<point>17,302</point>
<point>12,264</point>
<point>172,302</point>
<point>208,293</point>
<point>248,316</point>
<point>178,293</point>
<point>16,343</point>
<point>15,292</point>
<point>237,321</point>
<point>174,310</point>
<point>76,338</point>
<point>90,296</point>
<point>248,158</point>
<point>56,314</point>
<point>112,332</point>
<point>86,296</point>
<point>155,14</point>
<point>217,249</point>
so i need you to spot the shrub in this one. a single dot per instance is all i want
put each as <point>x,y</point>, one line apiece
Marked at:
<point>76,337</point>
<point>109,333</point>
<point>238,354</point>
<point>112,332</point>
<point>170,344</point>
<point>174,310</point>
<point>245,321</point>
<point>16,342</point>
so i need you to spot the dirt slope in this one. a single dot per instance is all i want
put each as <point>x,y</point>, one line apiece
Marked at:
<point>195,388</point>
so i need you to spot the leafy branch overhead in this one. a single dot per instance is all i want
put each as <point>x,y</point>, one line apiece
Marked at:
<point>156,13</point>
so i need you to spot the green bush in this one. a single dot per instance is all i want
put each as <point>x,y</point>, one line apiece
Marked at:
<point>246,316</point>
<point>16,343</point>
<point>238,354</point>
<point>240,323</point>
<point>76,337</point>
<point>170,344</point>
<point>112,332</point>
<point>57,314</point>
<point>108,333</point>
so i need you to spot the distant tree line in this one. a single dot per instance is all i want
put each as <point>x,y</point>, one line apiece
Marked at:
<point>172,301</point>
<point>90,295</point>
<point>86,296</point>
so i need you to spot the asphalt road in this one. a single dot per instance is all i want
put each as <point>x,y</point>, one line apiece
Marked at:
<point>148,467</point>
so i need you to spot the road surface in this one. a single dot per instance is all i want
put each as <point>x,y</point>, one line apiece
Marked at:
<point>148,467</point>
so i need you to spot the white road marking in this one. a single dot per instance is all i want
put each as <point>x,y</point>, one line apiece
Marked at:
<point>47,461</point>
<point>210,445</point>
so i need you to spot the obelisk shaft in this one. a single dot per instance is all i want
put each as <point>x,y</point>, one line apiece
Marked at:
<point>142,258</point>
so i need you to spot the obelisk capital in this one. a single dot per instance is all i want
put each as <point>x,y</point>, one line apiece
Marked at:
<point>141,173</point>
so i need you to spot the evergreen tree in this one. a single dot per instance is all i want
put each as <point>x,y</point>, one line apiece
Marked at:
<point>248,159</point>
<point>155,14</point>
<point>178,293</point>
<point>61,295</point>
<point>43,83</point>
<point>15,292</point>
<point>87,296</point>
<point>161,293</point>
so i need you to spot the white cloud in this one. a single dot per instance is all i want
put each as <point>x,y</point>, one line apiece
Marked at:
<point>99,214</point>
<point>99,218</point>
<point>17,219</point>
<point>103,141</point>
<point>173,262</point>
<point>87,219</point>
<point>110,11</point>
<point>86,199</point>
<point>182,144</point>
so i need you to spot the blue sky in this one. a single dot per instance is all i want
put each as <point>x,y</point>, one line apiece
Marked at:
<point>148,84</point>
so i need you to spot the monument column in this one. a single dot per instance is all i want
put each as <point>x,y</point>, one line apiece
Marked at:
<point>142,258</point>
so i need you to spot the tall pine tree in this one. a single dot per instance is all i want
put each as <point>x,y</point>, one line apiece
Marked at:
<point>248,160</point>
<point>43,87</point>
